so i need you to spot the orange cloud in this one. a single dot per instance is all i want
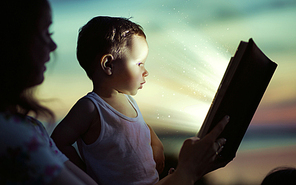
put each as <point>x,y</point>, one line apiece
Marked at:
<point>285,113</point>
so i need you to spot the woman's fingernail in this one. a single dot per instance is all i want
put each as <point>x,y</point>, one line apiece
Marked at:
<point>171,170</point>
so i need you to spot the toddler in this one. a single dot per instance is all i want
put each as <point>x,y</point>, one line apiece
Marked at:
<point>115,143</point>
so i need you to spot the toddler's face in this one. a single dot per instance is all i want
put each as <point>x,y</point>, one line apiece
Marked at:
<point>130,71</point>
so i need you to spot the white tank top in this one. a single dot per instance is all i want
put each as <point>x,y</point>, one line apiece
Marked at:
<point>122,154</point>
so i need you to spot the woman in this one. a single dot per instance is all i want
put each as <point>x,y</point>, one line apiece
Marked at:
<point>27,154</point>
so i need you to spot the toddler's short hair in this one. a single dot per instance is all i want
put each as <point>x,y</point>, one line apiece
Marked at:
<point>104,35</point>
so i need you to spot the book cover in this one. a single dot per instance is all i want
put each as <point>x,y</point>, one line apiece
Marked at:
<point>239,94</point>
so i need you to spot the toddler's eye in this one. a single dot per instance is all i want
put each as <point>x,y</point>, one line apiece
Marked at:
<point>140,64</point>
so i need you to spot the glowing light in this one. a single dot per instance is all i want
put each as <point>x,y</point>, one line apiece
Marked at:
<point>184,81</point>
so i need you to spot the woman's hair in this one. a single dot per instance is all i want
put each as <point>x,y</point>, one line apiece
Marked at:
<point>104,35</point>
<point>281,175</point>
<point>19,21</point>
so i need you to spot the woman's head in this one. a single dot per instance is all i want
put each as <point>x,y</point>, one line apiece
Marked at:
<point>104,35</point>
<point>25,48</point>
<point>41,46</point>
<point>25,44</point>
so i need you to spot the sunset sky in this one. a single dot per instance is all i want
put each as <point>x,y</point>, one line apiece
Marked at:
<point>190,45</point>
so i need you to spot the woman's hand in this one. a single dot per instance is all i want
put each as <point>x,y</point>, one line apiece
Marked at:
<point>198,156</point>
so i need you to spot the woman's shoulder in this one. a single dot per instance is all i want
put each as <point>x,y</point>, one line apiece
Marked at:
<point>17,131</point>
<point>13,122</point>
<point>25,149</point>
<point>20,123</point>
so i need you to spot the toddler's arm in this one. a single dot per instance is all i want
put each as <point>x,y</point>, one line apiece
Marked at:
<point>73,126</point>
<point>158,153</point>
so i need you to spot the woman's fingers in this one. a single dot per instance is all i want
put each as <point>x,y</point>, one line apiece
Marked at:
<point>217,130</point>
<point>198,156</point>
<point>219,145</point>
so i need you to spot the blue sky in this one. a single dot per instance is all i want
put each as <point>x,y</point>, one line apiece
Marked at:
<point>190,45</point>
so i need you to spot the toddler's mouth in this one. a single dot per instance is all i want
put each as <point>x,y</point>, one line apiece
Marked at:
<point>141,85</point>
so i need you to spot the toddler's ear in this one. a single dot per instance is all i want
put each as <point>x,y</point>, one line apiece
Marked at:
<point>106,63</point>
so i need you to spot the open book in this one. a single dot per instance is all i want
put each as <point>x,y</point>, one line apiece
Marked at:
<point>239,94</point>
